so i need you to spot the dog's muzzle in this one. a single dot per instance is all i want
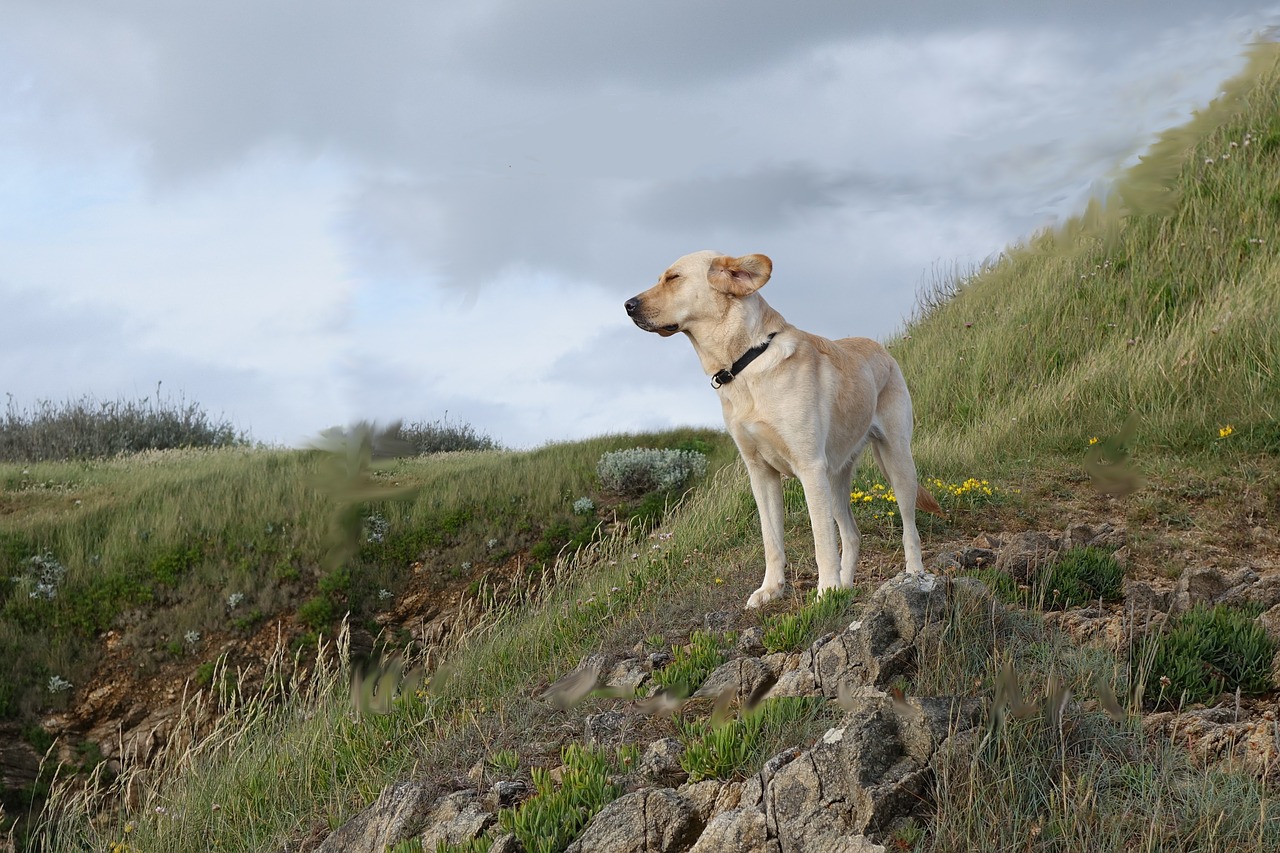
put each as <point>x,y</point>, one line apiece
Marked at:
<point>637,316</point>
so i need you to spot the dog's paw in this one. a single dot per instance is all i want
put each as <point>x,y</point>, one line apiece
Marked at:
<point>823,589</point>
<point>764,595</point>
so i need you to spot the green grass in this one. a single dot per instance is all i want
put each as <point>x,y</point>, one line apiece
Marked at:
<point>793,632</point>
<point>1078,576</point>
<point>549,820</point>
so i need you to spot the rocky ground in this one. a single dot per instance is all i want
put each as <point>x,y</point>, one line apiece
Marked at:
<point>872,770</point>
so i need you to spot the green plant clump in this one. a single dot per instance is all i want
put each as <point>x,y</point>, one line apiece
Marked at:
<point>442,436</point>
<point>728,751</point>
<point>1079,576</point>
<point>1082,575</point>
<point>691,664</point>
<point>1203,652</point>
<point>549,820</point>
<point>88,428</point>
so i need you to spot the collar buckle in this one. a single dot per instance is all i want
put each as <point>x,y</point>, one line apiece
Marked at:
<point>723,377</point>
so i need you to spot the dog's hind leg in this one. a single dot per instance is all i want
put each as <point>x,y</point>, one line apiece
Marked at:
<point>850,539</point>
<point>766,487</point>
<point>893,455</point>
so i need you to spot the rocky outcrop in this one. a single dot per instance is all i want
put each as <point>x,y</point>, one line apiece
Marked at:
<point>859,780</point>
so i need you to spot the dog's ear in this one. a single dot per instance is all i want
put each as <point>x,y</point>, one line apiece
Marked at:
<point>740,276</point>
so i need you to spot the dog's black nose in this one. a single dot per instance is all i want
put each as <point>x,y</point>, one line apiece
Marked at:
<point>632,304</point>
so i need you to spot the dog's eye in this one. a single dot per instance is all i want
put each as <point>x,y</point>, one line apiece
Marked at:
<point>672,276</point>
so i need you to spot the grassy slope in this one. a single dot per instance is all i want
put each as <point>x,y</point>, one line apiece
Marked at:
<point>1020,391</point>
<point>155,544</point>
<point>1162,303</point>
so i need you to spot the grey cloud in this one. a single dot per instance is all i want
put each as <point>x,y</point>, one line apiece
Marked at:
<point>677,44</point>
<point>768,197</point>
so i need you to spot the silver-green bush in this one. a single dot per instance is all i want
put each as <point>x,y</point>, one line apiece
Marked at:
<point>644,469</point>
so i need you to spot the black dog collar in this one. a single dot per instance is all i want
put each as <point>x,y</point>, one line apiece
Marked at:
<point>724,377</point>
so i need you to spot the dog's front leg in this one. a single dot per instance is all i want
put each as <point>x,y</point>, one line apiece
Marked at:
<point>817,494</point>
<point>766,486</point>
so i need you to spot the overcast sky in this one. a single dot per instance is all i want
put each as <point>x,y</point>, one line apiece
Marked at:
<point>301,214</point>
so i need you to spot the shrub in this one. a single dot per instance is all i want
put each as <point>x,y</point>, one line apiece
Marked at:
<point>88,428</point>
<point>644,469</point>
<point>1081,575</point>
<point>41,575</point>
<point>1202,653</point>
<point>442,436</point>
<point>316,613</point>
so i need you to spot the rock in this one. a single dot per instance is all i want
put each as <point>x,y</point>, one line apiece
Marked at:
<point>455,819</point>
<point>868,773</point>
<point>661,762</point>
<point>1262,592</point>
<point>751,641</point>
<point>1104,535</point>
<point>1270,622</point>
<point>657,660</point>
<point>19,761</point>
<point>779,662</point>
<point>507,793</point>
<point>400,812</point>
<point>719,621</point>
<point>607,728</point>
<point>880,646</point>
<point>744,676</point>
<point>1025,554</point>
<point>651,820</point>
<point>741,830</point>
<point>506,844</point>
<point>1090,625</point>
<point>1143,597</point>
<point>975,558</point>
<point>705,796</point>
<point>1200,585</point>
<point>627,677</point>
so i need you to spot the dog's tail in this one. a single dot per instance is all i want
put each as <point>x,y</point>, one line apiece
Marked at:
<point>926,502</point>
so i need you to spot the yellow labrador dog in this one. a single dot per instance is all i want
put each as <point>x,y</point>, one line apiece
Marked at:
<point>795,403</point>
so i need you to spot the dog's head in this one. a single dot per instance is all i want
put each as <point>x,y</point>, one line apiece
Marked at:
<point>698,288</point>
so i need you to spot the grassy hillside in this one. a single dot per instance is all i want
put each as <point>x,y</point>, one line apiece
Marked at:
<point>1161,303</point>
